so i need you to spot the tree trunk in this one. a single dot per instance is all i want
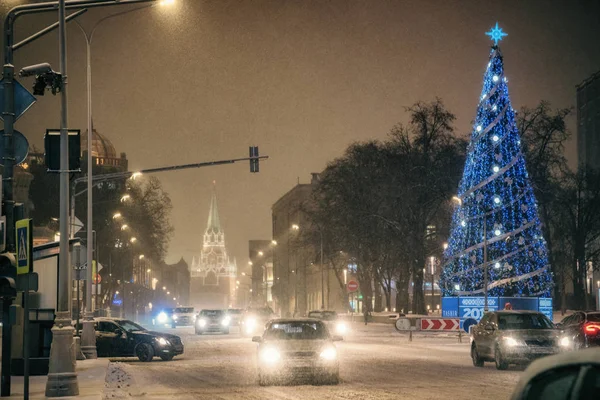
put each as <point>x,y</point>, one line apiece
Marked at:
<point>402,298</point>
<point>365,281</point>
<point>378,299</point>
<point>418,301</point>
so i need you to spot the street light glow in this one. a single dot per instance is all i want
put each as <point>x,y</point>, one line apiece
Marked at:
<point>295,227</point>
<point>249,262</point>
<point>141,257</point>
<point>164,288</point>
<point>166,2</point>
<point>457,200</point>
<point>149,270</point>
<point>133,240</point>
<point>136,175</point>
<point>125,226</point>
<point>116,215</point>
<point>260,253</point>
<point>125,198</point>
<point>274,242</point>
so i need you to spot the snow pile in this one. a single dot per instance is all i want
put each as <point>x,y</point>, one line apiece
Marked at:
<point>119,383</point>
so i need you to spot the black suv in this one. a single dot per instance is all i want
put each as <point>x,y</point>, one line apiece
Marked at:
<point>582,328</point>
<point>124,338</point>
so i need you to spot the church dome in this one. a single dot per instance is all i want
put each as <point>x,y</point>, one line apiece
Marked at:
<point>101,146</point>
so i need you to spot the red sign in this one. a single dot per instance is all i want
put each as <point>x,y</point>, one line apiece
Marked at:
<point>97,279</point>
<point>440,324</point>
<point>352,286</point>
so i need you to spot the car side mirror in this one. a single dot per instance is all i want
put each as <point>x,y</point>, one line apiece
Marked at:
<point>337,338</point>
<point>489,327</point>
<point>257,339</point>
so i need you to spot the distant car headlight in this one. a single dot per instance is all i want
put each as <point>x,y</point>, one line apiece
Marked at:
<point>270,355</point>
<point>163,341</point>
<point>341,328</point>
<point>565,342</point>
<point>511,342</point>
<point>194,317</point>
<point>329,353</point>
<point>226,321</point>
<point>162,318</point>
<point>250,324</point>
<point>202,322</point>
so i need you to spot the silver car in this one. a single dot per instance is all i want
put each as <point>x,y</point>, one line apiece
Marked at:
<point>514,337</point>
<point>292,349</point>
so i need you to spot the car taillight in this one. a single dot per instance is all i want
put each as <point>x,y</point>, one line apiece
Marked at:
<point>591,328</point>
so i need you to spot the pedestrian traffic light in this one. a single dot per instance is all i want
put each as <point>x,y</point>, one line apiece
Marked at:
<point>254,159</point>
<point>8,265</point>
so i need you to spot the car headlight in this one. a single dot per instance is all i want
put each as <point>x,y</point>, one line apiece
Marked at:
<point>565,342</point>
<point>511,342</point>
<point>225,321</point>
<point>329,353</point>
<point>162,318</point>
<point>163,341</point>
<point>201,322</point>
<point>194,317</point>
<point>341,328</point>
<point>270,355</point>
<point>174,317</point>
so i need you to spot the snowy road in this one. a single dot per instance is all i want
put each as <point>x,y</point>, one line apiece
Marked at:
<point>375,363</point>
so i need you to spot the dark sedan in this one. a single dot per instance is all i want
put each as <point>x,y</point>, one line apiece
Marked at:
<point>514,337</point>
<point>124,338</point>
<point>582,329</point>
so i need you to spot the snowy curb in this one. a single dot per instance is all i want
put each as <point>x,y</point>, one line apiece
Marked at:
<point>119,383</point>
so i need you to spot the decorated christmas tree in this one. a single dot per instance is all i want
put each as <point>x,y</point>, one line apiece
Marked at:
<point>495,225</point>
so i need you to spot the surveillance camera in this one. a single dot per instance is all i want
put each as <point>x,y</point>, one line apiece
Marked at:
<point>37,69</point>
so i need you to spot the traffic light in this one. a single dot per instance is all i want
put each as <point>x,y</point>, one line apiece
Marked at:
<point>254,159</point>
<point>8,272</point>
<point>52,147</point>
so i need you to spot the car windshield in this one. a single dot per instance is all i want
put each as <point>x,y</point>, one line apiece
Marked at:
<point>184,310</point>
<point>595,317</point>
<point>329,315</point>
<point>131,326</point>
<point>296,330</point>
<point>523,321</point>
<point>211,313</point>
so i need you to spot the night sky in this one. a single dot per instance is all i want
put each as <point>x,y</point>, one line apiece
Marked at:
<point>300,79</point>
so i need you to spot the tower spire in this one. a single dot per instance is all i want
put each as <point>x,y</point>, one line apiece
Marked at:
<point>214,223</point>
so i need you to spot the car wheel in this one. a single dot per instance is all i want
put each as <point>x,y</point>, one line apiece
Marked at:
<point>167,357</point>
<point>144,352</point>
<point>477,361</point>
<point>501,363</point>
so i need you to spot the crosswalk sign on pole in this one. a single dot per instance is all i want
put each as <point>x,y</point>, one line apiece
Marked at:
<point>24,246</point>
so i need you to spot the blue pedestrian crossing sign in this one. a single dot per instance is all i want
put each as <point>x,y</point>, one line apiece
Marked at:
<point>24,246</point>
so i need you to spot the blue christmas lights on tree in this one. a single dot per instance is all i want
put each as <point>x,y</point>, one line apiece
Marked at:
<point>496,207</point>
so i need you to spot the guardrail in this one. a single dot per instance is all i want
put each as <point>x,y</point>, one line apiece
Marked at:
<point>411,325</point>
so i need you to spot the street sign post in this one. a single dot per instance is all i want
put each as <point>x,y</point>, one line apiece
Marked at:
<point>352,286</point>
<point>24,229</point>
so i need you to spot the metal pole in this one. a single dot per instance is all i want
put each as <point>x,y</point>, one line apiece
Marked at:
<point>62,379</point>
<point>26,338</point>
<point>432,278</point>
<point>485,268</point>
<point>322,275</point>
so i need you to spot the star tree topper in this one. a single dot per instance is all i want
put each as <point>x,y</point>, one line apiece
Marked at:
<point>496,34</point>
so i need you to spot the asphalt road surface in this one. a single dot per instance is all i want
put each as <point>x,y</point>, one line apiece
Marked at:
<point>375,363</point>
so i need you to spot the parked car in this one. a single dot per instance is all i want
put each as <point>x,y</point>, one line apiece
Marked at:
<point>183,316</point>
<point>573,375</point>
<point>582,328</point>
<point>124,338</point>
<point>331,319</point>
<point>214,321</point>
<point>514,337</point>
<point>297,348</point>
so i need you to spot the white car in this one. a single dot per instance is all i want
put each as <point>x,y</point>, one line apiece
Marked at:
<point>183,316</point>
<point>335,325</point>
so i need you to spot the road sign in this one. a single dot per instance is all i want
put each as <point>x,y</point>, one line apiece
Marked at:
<point>403,324</point>
<point>352,286</point>
<point>76,225</point>
<point>440,324</point>
<point>97,279</point>
<point>23,99</point>
<point>24,246</point>
<point>467,323</point>
<point>21,145</point>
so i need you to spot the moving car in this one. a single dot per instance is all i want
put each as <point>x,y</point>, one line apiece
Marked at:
<point>124,338</point>
<point>331,319</point>
<point>570,376</point>
<point>212,321</point>
<point>254,320</point>
<point>183,316</point>
<point>163,317</point>
<point>582,328</point>
<point>297,348</point>
<point>236,316</point>
<point>514,337</point>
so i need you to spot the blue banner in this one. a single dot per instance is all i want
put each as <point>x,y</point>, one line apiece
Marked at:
<point>450,307</point>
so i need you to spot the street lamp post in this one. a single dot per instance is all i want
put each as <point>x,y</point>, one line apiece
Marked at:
<point>323,276</point>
